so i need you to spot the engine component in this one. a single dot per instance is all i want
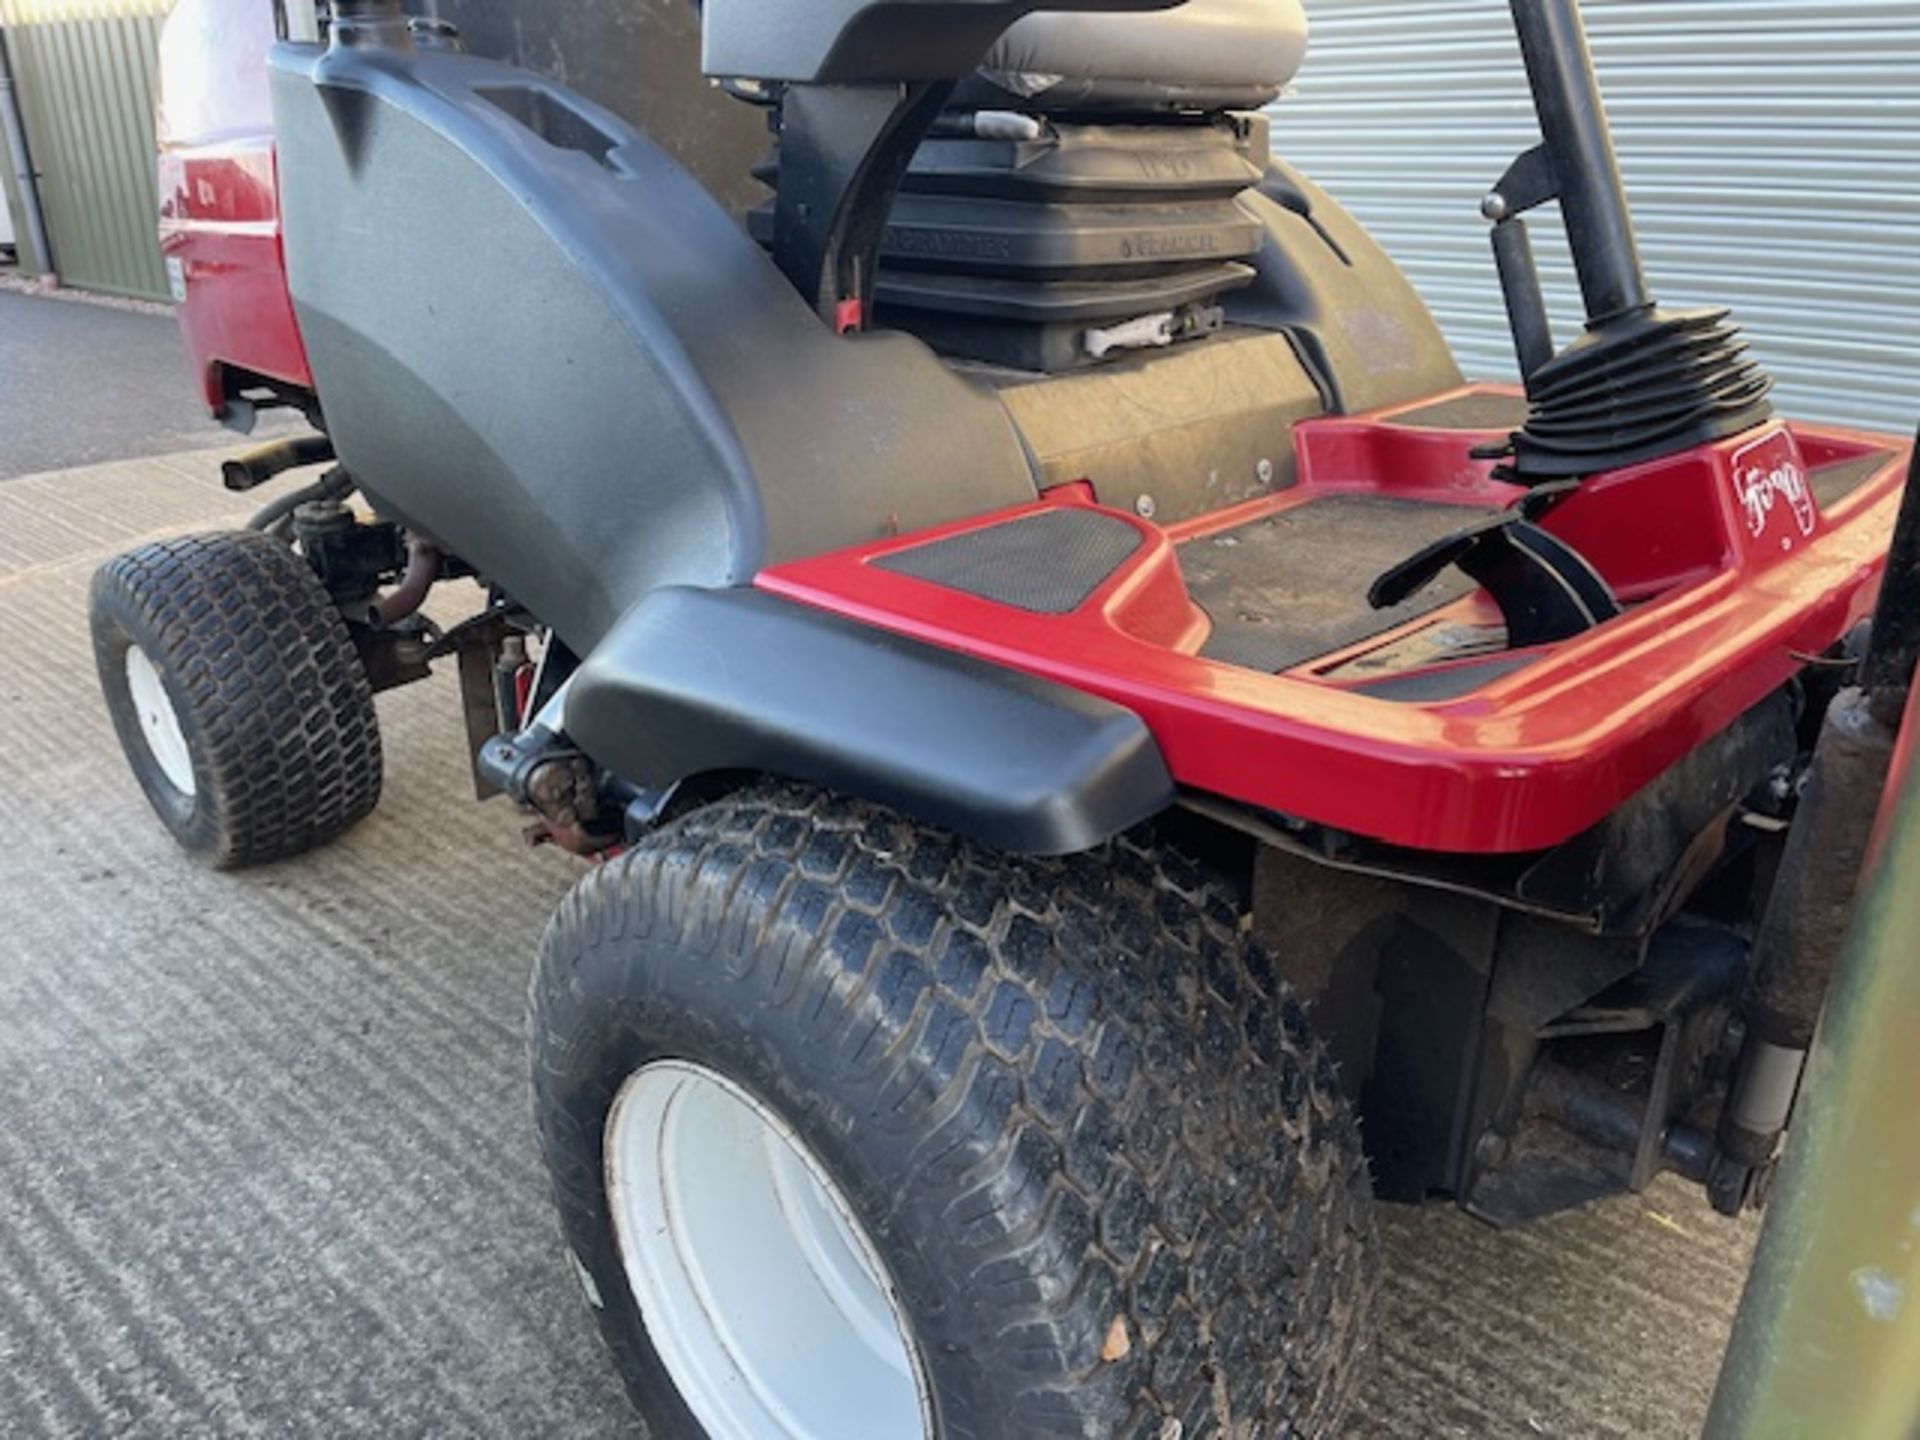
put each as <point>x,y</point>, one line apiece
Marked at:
<point>423,568</point>
<point>276,515</point>
<point>352,557</point>
<point>541,770</point>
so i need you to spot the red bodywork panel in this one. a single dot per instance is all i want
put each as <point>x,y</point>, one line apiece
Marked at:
<point>1731,576</point>
<point>1731,572</point>
<point>220,225</point>
<point>219,196</point>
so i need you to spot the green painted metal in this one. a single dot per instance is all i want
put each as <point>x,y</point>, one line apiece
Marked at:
<point>1827,1342</point>
<point>84,71</point>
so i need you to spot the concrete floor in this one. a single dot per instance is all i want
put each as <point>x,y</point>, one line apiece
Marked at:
<point>268,1167</point>
<point>82,382</point>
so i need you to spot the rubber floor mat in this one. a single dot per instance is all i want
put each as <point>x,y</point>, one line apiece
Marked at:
<point>1288,587</point>
<point>1466,412</point>
<point>1047,563</point>
<point>1833,483</point>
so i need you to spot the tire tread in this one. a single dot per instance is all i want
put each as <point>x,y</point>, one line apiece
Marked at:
<point>280,703</point>
<point>1160,1144</point>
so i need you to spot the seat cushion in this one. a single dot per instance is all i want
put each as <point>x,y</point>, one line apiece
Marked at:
<point>1205,54</point>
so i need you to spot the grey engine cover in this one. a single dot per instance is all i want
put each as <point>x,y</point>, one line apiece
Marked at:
<point>537,339</point>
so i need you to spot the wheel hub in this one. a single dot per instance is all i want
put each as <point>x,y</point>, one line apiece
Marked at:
<point>159,723</point>
<point>758,1286</point>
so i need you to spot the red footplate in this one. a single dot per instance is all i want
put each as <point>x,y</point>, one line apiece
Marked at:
<point>1244,640</point>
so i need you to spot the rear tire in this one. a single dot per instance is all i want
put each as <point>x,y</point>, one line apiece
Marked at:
<point>237,695</point>
<point>1108,1177</point>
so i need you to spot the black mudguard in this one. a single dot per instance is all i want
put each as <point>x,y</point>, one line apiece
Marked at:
<point>540,342</point>
<point>691,682</point>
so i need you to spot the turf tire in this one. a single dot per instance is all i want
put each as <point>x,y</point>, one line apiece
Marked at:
<point>267,688</point>
<point>1109,1172</point>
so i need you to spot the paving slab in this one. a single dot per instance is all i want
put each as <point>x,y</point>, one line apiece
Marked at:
<point>267,1167</point>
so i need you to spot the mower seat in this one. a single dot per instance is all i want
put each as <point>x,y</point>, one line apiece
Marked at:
<point>1203,55</point>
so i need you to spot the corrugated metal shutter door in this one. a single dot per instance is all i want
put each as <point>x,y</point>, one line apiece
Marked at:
<point>1771,153</point>
<point>84,71</point>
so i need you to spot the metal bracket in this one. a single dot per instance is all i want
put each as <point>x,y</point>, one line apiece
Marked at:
<point>844,150</point>
<point>1529,182</point>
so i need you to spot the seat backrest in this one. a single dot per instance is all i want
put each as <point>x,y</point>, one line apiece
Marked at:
<point>852,42</point>
<point>1204,55</point>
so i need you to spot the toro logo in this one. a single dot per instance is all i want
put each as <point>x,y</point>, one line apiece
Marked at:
<point>1766,477</point>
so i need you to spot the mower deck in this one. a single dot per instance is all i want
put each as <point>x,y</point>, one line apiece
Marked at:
<point>1245,640</point>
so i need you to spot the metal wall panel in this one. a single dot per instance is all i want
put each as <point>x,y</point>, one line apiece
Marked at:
<point>84,70</point>
<point>9,207</point>
<point>1771,150</point>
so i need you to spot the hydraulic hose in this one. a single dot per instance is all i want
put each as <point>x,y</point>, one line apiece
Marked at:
<point>423,568</point>
<point>263,462</point>
<point>272,517</point>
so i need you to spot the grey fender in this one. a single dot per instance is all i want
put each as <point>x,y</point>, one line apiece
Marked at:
<point>690,682</point>
<point>1354,319</point>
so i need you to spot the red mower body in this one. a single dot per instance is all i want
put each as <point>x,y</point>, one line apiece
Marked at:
<point>219,200</point>
<point>1735,562</point>
<point>1064,482</point>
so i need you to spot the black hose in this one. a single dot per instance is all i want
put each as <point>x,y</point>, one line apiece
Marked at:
<point>263,462</point>
<point>334,485</point>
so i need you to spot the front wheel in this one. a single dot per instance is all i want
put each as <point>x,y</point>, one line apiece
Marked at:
<point>858,1131</point>
<point>237,695</point>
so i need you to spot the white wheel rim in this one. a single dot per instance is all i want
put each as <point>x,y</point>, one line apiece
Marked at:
<point>159,725</point>
<point>760,1290</point>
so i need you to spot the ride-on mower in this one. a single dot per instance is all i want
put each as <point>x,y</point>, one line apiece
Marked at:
<point>1103,753</point>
